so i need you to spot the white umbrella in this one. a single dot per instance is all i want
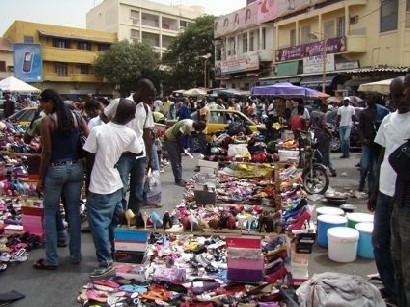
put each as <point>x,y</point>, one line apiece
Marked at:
<point>195,92</point>
<point>382,87</point>
<point>12,84</point>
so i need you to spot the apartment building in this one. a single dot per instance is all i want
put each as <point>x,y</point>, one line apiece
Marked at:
<point>142,21</point>
<point>6,58</point>
<point>361,40</point>
<point>66,56</point>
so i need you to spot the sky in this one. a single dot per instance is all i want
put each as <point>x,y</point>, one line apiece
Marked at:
<point>72,12</point>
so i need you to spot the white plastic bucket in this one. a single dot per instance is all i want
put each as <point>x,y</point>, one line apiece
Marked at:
<point>326,222</point>
<point>365,246</point>
<point>342,244</point>
<point>358,217</point>
<point>329,211</point>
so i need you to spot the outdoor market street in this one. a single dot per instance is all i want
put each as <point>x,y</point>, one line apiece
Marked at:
<point>61,287</point>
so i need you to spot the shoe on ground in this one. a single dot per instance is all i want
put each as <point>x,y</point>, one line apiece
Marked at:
<point>343,157</point>
<point>103,272</point>
<point>333,174</point>
<point>180,182</point>
<point>196,169</point>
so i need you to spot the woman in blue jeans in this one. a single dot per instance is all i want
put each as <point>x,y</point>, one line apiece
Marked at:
<point>61,171</point>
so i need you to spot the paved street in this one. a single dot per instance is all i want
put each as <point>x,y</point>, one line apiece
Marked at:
<point>60,287</point>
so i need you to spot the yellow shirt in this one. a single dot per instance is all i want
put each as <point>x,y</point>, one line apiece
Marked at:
<point>206,114</point>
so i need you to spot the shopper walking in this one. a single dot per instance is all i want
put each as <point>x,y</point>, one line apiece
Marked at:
<point>132,170</point>
<point>319,125</point>
<point>61,170</point>
<point>369,121</point>
<point>344,121</point>
<point>9,106</point>
<point>394,129</point>
<point>107,143</point>
<point>173,144</point>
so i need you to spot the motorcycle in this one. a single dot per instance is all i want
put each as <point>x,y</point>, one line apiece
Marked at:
<point>314,176</point>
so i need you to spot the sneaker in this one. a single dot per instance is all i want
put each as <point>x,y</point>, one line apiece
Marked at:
<point>103,272</point>
<point>343,157</point>
<point>333,174</point>
<point>196,169</point>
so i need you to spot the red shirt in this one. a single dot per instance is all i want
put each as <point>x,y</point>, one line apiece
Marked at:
<point>296,123</point>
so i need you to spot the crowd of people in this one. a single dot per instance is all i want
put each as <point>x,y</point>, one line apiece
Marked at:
<point>119,148</point>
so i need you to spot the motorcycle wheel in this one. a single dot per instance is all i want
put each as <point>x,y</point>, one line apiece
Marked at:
<point>335,144</point>
<point>316,184</point>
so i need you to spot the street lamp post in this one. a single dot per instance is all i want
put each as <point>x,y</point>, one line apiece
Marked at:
<point>205,57</point>
<point>314,35</point>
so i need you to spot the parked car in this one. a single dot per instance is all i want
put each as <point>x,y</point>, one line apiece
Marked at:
<point>220,120</point>
<point>335,143</point>
<point>23,117</point>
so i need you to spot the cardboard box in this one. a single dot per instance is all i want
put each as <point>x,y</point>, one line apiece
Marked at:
<point>130,271</point>
<point>130,235</point>
<point>130,246</point>
<point>243,242</point>
<point>210,164</point>
<point>129,257</point>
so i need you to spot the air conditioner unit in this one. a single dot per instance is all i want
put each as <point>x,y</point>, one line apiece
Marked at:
<point>135,21</point>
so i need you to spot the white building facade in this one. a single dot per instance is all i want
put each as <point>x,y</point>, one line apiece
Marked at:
<point>142,21</point>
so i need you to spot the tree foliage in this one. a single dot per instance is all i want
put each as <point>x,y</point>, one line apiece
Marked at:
<point>124,63</point>
<point>183,58</point>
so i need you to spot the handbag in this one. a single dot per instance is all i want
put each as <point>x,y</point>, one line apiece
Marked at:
<point>400,160</point>
<point>81,140</point>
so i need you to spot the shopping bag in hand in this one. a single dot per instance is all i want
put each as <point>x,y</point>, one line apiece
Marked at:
<point>152,188</point>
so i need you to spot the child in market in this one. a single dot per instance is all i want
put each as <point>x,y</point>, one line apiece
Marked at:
<point>106,143</point>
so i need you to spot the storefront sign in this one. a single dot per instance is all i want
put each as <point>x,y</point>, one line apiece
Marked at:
<point>314,64</point>
<point>240,64</point>
<point>28,62</point>
<point>334,45</point>
<point>257,13</point>
<point>347,65</point>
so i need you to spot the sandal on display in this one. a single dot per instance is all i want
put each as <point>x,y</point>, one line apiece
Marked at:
<point>42,265</point>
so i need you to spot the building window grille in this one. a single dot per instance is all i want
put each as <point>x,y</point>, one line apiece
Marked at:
<point>84,46</point>
<point>388,15</point>
<point>61,43</point>
<point>61,69</point>
<point>340,26</point>
<point>292,37</point>
<point>245,43</point>
<point>28,39</point>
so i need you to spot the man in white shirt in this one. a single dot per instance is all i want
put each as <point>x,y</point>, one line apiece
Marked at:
<point>344,120</point>
<point>106,143</point>
<point>393,131</point>
<point>132,170</point>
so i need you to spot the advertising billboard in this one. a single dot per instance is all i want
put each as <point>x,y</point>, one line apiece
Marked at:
<point>28,62</point>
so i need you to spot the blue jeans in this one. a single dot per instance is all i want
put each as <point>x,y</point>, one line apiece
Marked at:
<point>344,134</point>
<point>381,243</point>
<point>67,179</point>
<point>132,170</point>
<point>155,157</point>
<point>103,212</point>
<point>368,167</point>
<point>400,248</point>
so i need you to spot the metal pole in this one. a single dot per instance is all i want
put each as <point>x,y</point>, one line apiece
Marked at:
<point>324,63</point>
<point>205,72</point>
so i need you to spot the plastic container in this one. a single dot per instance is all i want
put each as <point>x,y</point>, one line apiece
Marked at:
<point>365,246</point>
<point>325,222</point>
<point>358,217</point>
<point>342,244</point>
<point>329,211</point>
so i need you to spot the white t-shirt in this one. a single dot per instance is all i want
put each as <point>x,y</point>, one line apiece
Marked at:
<point>393,132</point>
<point>346,114</point>
<point>305,116</point>
<point>94,122</point>
<point>137,124</point>
<point>108,142</point>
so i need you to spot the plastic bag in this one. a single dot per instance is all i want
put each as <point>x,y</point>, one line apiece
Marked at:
<point>152,188</point>
<point>237,149</point>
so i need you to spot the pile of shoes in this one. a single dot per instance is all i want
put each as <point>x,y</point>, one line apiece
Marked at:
<point>187,270</point>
